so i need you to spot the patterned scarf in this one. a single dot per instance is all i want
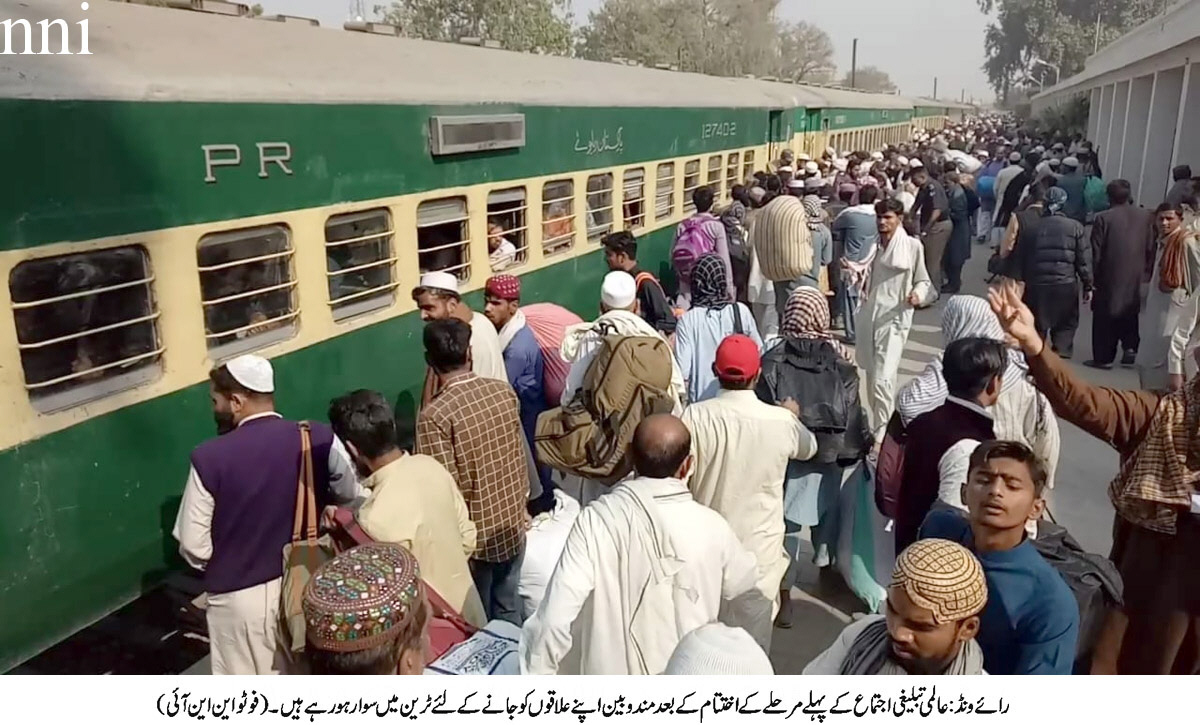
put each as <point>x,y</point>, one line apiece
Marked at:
<point>806,317</point>
<point>812,209</point>
<point>1172,270</point>
<point>1157,481</point>
<point>1056,199</point>
<point>710,286</point>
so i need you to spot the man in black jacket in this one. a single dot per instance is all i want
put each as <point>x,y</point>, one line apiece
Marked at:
<point>1054,269</point>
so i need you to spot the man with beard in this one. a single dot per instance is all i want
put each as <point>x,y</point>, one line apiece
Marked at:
<point>238,508</point>
<point>933,606</point>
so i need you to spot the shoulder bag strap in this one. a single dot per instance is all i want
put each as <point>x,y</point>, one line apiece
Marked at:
<point>306,499</point>
<point>738,328</point>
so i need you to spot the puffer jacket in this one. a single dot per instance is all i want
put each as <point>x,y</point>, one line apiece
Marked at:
<point>1061,253</point>
<point>826,386</point>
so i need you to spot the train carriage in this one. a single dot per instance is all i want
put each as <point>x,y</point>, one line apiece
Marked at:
<point>203,186</point>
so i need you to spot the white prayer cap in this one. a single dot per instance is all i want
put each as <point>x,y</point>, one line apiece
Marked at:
<point>1042,168</point>
<point>831,151</point>
<point>1015,157</point>
<point>877,155</point>
<point>786,169</point>
<point>618,290</point>
<point>1039,149</point>
<point>916,164</point>
<point>981,153</point>
<point>841,164</point>
<point>253,373</point>
<point>716,649</point>
<point>796,184</point>
<point>804,157</point>
<point>440,281</point>
<point>902,160</point>
<point>812,167</point>
<point>1053,162</point>
<point>1071,162</point>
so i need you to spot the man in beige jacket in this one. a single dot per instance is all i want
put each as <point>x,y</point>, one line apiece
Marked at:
<point>413,500</point>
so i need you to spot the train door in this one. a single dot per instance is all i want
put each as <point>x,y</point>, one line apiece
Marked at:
<point>775,130</point>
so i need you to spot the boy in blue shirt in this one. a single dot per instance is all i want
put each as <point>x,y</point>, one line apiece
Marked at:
<point>1031,623</point>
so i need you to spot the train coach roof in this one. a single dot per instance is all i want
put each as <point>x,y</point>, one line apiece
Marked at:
<point>842,98</point>
<point>150,53</point>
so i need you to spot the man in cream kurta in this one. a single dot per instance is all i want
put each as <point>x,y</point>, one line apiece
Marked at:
<point>643,566</point>
<point>741,447</point>
<point>898,284</point>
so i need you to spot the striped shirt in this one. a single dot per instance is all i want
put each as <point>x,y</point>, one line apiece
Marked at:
<point>473,428</point>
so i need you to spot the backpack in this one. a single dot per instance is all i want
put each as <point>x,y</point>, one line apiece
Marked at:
<point>628,380</point>
<point>1095,194</point>
<point>691,243</point>
<point>735,232</point>
<point>889,470</point>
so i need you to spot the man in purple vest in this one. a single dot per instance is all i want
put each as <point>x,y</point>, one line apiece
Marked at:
<point>238,508</point>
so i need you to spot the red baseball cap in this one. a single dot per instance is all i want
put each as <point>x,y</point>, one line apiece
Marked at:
<point>737,359</point>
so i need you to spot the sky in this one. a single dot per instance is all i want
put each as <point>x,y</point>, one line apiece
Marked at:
<point>913,40</point>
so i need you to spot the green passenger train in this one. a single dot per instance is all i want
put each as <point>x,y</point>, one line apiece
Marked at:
<point>201,186</point>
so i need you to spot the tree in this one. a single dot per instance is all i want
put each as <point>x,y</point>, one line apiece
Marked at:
<point>872,79</point>
<point>805,53</point>
<point>539,26</point>
<point>256,10</point>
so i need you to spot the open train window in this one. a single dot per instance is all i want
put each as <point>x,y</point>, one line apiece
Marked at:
<point>714,176</point>
<point>508,242</point>
<point>691,182</point>
<point>558,216</point>
<point>731,173</point>
<point>634,199</point>
<point>247,289</point>
<point>87,325</point>
<point>599,206</point>
<point>664,191</point>
<point>748,165</point>
<point>443,242</point>
<point>360,262</point>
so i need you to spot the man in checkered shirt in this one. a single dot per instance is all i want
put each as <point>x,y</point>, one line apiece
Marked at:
<point>473,428</point>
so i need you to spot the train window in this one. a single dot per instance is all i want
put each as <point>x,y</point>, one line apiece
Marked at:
<point>748,165</point>
<point>691,182</point>
<point>87,325</point>
<point>508,240</point>
<point>247,289</point>
<point>599,206</point>
<point>731,172</point>
<point>634,199</point>
<point>664,192</point>
<point>443,242</point>
<point>360,262</point>
<point>714,175</point>
<point>558,216</point>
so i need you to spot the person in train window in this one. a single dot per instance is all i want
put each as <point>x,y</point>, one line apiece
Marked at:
<point>501,252</point>
<point>238,507</point>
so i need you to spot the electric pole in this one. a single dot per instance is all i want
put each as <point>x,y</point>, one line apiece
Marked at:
<point>854,64</point>
<point>935,88</point>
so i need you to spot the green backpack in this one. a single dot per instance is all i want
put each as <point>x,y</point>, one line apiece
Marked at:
<point>1095,194</point>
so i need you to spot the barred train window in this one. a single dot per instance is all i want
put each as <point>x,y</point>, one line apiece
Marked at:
<point>634,198</point>
<point>87,325</point>
<point>361,262</point>
<point>506,222</point>
<point>731,173</point>
<point>664,191</point>
<point>599,206</point>
<point>558,216</point>
<point>714,175</point>
<point>443,242</point>
<point>748,165</point>
<point>247,289</point>
<point>691,182</point>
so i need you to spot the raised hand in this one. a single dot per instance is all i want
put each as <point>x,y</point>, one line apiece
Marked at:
<point>1015,317</point>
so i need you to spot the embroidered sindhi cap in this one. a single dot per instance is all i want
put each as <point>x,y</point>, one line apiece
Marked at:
<point>943,577</point>
<point>504,286</point>
<point>362,598</point>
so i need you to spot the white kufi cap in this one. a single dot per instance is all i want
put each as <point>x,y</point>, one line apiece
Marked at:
<point>253,373</point>
<point>618,290</point>
<point>440,281</point>
<point>1071,162</point>
<point>716,649</point>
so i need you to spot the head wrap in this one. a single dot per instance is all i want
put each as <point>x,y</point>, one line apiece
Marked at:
<point>618,290</point>
<point>504,286</point>
<point>812,209</point>
<point>361,598</point>
<point>1056,199</point>
<point>716,649</point>
<point>806,317</point>
<point>253,373</point>
<point>943,577</point>
<point>710,283</point>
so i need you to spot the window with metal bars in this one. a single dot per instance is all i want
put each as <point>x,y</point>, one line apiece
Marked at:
<point>731,173</point>
<point>599,206</point>
<point>508,240</point>
<point>87,325</point>
<point>634,198</point>
<point>691,182</point>
<point>714,176</point>
<point>443,239</point>
<point>360,262</point>
<point>247,289</point>
<point>664,192</point>
<point>558,216</point>
<point>748,165</point>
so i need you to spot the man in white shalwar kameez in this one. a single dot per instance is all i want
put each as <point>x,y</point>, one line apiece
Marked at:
<point>643,566</point>
<point>898,284</point>
<point>742,446</point>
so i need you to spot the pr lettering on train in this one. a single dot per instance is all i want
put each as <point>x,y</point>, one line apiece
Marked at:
<point>278,153</point>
